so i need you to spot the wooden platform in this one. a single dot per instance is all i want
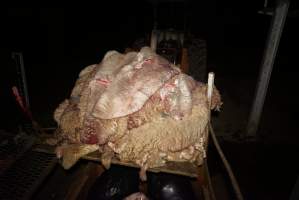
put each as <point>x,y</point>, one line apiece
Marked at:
<point>200,174</point>
<point>179,168</point>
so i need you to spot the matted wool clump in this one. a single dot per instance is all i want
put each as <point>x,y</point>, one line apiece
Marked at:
<point>135,107</point>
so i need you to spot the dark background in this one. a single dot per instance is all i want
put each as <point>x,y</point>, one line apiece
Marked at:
<point>57,42</point>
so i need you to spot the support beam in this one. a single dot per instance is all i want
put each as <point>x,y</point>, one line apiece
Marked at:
<point>154,40</point>
<point>274,35</point>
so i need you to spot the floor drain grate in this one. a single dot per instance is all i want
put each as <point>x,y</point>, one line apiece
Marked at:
<point>25,175</point>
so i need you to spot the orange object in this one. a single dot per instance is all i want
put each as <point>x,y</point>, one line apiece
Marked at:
<point>184,62</point>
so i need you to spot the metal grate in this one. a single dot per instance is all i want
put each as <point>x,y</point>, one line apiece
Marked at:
<point>25,175</point>
<point>12,147</point>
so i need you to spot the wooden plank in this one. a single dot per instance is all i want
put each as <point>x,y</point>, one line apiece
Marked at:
<point>179,168</point>
<point>79,188</point>
<point>184,61</point>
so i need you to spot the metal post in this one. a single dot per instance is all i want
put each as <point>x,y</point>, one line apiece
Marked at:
<point>273,39</point>
<point>154,40</point>
<point>18,57</point>
<point>295,192</point>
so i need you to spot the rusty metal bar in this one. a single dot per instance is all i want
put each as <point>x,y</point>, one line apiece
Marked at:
<point>18,57</point>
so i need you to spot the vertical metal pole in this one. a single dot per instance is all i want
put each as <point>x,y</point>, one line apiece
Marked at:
<point>274,35</point>
<point>295,192</point>
<point>18,57</point>
<point>154,40</point>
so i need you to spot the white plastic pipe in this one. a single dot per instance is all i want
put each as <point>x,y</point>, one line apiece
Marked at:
<point>210,87</point>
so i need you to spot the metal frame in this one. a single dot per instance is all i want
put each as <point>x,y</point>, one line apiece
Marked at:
<point>276,28</point>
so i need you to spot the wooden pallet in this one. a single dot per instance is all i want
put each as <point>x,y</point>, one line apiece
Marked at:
<point>179,168</point>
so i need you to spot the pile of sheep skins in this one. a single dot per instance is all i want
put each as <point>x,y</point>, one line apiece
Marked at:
<point>135,107</point>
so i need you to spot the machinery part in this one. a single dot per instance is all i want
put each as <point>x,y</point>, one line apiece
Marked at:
<point>171,48</point>
<point>169,45</point>
<point>275,31</point>
<point>115,183</point>
<point>22,179</point>
<point>167,186</point>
